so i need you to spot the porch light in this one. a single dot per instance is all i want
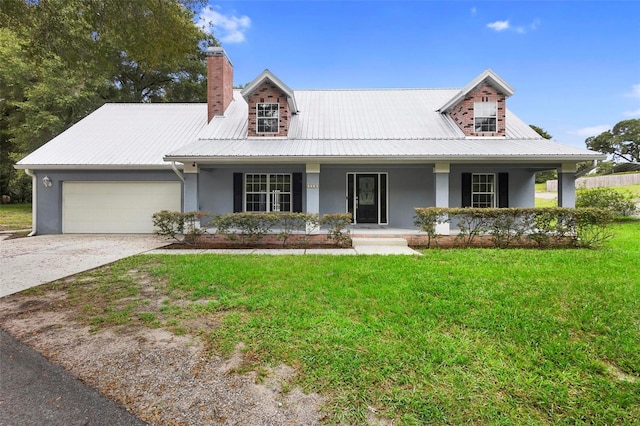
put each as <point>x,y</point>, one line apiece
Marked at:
<point>46,181</point>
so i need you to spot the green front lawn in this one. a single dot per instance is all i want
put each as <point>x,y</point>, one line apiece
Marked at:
<point>483,336</point>
<point>15,216</point>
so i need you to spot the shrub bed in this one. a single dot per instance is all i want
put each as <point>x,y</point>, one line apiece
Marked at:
<point>255,229</point>
<point>522,227</point>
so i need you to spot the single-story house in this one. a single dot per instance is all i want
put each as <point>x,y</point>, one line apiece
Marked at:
<point>375,153</point>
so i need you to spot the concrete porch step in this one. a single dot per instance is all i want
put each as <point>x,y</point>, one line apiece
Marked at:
<point>396,242</point>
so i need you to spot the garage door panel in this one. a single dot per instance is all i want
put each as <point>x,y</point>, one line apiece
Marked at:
<point>116,207</point>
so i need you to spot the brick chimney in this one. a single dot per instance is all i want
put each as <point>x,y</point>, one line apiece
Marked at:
<point>219,82</point>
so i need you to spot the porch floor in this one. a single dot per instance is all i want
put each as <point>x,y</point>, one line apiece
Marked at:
<point>383,231</point>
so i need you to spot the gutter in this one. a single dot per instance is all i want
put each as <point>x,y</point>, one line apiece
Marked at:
<point>34,202</point>
<point>73,167</point>
<point>176,171</point>
<point>400,159</point>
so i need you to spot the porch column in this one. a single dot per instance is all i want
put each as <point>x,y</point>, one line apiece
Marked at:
<point>313,192</point>
<point>567,185</point>
<point>441,173</point>
<point>190,201</point>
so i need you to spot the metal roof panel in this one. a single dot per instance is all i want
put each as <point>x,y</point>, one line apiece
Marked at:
<point>123,134</point>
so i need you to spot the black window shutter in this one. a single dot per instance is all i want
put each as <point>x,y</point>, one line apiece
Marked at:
<point>297,192</point>
<point>466,190</point>
<point>237,192</point>
<point>503,190</point>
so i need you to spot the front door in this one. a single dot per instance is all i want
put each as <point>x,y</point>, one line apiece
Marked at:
<point>367,197</point>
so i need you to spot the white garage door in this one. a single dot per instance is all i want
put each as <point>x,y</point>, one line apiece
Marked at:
<point>115,207</point>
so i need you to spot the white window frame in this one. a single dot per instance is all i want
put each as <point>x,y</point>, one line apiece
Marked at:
<point>272,195</point>
<point>479,179</point>
<point>485,110</point>
<point>261,118</point>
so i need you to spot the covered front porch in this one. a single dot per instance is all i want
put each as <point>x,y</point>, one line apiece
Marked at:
<point>380,197</point>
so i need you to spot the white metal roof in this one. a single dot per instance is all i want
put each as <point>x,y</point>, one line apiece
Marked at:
<point>374,150</point>
<point>332,125</point>
<point>361,114</point>
<point>122,135</point>
<point>381,124</point>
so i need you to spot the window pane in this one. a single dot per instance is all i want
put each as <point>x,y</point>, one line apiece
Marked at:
<point>267,118</point>
<point>256,203</point>
<point>268,192</point>
<point>485,115</point>
<point>483,190</point>
<point>285,202</point>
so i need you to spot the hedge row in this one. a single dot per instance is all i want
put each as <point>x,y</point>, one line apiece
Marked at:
<point>544,227</point>
<point>249,228</point>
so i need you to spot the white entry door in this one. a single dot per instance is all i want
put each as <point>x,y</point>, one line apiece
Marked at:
<point>116,207</point>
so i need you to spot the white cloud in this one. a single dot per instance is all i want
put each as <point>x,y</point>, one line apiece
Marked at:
<point>226,28</point>
<point>506,25</point>
<point>499,25</point>
<point>534,25</point>
<point>474,10</point>
<point>635,113</point>
<point>591,131</point>
<point>635,91</point>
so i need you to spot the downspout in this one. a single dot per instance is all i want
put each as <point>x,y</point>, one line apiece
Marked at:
<point>177,172</point>
<point>34,202</point>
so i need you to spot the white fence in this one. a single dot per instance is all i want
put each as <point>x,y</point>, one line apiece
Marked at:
<point>597,181</point>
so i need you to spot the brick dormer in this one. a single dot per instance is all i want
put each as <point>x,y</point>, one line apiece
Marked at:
<point>480,108</point>
<point>271,105</point>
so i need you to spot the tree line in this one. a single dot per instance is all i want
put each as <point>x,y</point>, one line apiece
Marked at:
<point>60,60</point>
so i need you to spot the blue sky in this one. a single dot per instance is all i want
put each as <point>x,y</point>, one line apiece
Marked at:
<point>574,65</point>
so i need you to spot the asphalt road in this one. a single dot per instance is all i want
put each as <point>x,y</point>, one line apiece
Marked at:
<point>34,391</point>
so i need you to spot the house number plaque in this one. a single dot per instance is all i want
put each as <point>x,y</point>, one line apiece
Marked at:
<point>313,186</point>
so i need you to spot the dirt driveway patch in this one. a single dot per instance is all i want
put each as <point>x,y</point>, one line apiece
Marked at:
<point>161,377</point>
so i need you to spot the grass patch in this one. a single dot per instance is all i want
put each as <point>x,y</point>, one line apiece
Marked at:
<point>545,202</point>
<point>15,216</point>
<point>633,189</point>
<point>484,336</point>
<point>481,336</point>
<point>541,187</point>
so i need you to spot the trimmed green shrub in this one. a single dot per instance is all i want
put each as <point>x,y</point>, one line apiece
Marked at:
<point>177,224</point>
<point>556,226</point>
<point>245,228</point>
<point>248,228</point>
<point>337,224</point>
<point>620,203</point>
<point>295,223</point>
<point>592,226</point>
<point>427,219</point>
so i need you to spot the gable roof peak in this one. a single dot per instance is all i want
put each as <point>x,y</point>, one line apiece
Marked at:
<point>486,76</point>
<point>268,75</point>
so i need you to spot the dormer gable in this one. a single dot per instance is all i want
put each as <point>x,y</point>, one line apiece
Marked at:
<point>271,105</point>
<point>479,109</point>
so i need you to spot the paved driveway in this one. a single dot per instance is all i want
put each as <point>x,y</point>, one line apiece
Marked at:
<point>35,392</point>
<point>31,261</point>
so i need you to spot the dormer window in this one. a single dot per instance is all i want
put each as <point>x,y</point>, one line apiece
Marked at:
<point>485,116</point>
<point>267,117</point>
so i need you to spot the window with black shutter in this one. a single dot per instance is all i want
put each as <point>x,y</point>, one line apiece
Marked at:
<point>267,192</point>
